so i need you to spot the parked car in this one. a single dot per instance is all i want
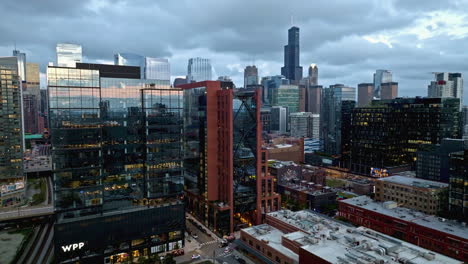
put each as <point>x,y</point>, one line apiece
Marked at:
<point>197,256</point>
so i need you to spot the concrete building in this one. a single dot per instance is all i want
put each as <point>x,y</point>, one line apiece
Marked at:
<point>305,124</point>
<point>389,90</point>
<point>413,193</point>
<point>365,94</point>
<point>446,85</point>
<point>250,75</point>
<point>313,74</point>
<point>427,231</point>
<point>313,98</point>
<point>265,116</point>
<point>305,237</point>
<point>286,149</point>
<point>308,195</point>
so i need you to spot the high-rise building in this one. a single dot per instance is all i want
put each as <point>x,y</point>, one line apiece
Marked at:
<point>465,121</point>
<point>270,83</point>
<point>44,108</point>
<point>21,56</point>
<point>330,117</point>
<point>286,95</point>
<point>68,54</point>
<point>347,107</point>
<point>432,160</point>
<point>365,94</point>
<point>265,116</point>
<point>292,69</point>
<point>381,76</point>
<point>313,74</point>
<point>117,151</point>
<point>157,69</point>
<point>224,78</point>
<point>227,181</point>
<point>198,69</point>
<point>305,124</point>
<point>278,119</point>
<point>313,98</point>
<point>458,185</point>
<point>33,121</point>
<point>388,90</point>
<point>179,81</point>
<point>150,68</point>
<point>250,75</point>
<point>446,85</point>
<point>387,133</point>
<point>11,142</point>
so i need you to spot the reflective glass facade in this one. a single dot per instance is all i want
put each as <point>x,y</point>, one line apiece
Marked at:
<point>116,150</point>
<point>199,69</point>
<point>68,54</point>
<point>157,69</point>
<point>287,96</point>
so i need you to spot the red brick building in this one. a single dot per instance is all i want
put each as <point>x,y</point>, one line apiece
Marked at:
<point>446,237</point>
<point>227,181</point>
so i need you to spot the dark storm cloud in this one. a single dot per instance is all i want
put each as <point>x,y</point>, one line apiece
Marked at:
<point>235,33</point>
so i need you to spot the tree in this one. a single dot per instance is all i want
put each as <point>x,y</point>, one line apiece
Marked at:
<point>169,259</point>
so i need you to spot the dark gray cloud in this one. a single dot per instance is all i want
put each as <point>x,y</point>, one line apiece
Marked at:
<point>349,40</point>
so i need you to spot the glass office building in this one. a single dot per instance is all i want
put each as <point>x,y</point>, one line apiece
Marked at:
<point>118,175</point>
<point>68,54</point>
<point>150,68</point>
<point>199,69</point>
<point>11,143</point>
<point>287,96</point>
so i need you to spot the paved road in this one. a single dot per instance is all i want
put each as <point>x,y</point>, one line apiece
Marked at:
<point>26,212</point>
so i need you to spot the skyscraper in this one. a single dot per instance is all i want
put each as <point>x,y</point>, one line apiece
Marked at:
<point>270,83</point>
<point>313,98</point>
<point>21,64</point>
<point>278,119</point>
<point>157,69</point>
<point>199,69</point>
<point>465,121</point>
<point>227,181</point>
<point>313,74</point>
<point>286,95</point>
<point>117,149</point>
<point>330,117</point>
<point>292,70</point>
<point>150,68</point>
<point>33,122</point>
<point>365,93</point>
<point>381,76</point>
<point>387,133</point>
<point>446,85</point>
<point>458,186</point>
<point>11,143</point>
<point>68,54</point>
<point>250,75</point>
<point>388,90</point>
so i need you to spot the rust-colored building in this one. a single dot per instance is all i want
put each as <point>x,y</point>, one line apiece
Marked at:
<point>365,94</point>
<point>434,233</point>
<point>227,181</point>
<point>286,149</point>
<point>389,90</point>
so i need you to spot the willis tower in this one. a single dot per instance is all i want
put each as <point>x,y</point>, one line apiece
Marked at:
<point>292,70</point>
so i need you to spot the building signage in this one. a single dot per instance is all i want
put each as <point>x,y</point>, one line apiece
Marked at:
<point>73,247</point>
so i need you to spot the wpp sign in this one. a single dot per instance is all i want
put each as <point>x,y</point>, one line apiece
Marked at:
<point>73,247</point>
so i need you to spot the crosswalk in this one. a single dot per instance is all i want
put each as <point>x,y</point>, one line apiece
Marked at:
<point>208,243</point>
<point>224,254</point>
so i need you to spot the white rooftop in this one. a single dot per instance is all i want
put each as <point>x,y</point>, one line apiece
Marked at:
<point>336,242</point>
<point>409,215</point>
<point>272,236</point>
<point>415,182</point>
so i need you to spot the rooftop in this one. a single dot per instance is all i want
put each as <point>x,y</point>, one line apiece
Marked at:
<point>337,242</point>
<point>415,182</point>
<point>437,223</point>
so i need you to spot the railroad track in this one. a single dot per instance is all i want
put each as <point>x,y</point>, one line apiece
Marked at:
<point>40,245</point>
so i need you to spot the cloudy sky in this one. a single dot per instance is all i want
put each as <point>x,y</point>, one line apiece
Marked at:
<point>348,40</point>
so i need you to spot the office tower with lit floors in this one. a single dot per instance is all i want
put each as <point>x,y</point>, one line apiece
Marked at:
<point>11,143</point>
<point>117,164</point>
<point>228,186</point>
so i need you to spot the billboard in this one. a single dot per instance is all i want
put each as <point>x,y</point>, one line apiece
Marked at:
<point>378,173</point>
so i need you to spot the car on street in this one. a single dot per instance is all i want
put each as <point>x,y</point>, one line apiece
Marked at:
<point>197,256</point>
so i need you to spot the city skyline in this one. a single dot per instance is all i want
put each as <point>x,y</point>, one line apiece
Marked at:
<point>411,42</point>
